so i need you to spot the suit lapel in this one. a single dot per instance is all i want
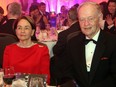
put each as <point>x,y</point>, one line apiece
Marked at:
<point>81,62</point>
<point>97,55</point>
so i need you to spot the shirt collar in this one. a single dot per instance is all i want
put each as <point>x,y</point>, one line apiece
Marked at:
<point>41,12</point>
<point>73,23</point>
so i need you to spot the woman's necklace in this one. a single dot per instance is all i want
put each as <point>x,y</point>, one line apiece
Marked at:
<point>26,45</point>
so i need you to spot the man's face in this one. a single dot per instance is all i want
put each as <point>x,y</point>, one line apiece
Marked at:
<point>89,20</point>
<point>35,12</point>
<point>63,9</point>
<point>42,8</point>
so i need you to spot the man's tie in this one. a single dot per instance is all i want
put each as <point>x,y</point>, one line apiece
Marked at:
<point>88,40</point>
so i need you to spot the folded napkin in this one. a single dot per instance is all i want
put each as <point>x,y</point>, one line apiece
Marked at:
<point>19,83</point>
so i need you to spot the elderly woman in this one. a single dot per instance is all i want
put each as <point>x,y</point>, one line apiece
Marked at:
<point>26,56</point>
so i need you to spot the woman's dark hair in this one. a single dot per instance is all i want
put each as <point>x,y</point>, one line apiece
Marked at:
<point>104,8</point>
<point>30,20</point>
<point>114,1</point>
<point>111,1</point>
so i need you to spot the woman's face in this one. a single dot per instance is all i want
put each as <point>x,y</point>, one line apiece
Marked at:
<point>112,7</point>
<point>24,30</point>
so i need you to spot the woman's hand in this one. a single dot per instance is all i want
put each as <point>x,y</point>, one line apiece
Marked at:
<point>109,20</point>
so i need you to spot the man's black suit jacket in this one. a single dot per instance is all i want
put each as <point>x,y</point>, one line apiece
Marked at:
<point>62,38</point>
<point>59,52</point>
<point>103,68</point>
<point>8,27</point>
<point>111,30</point>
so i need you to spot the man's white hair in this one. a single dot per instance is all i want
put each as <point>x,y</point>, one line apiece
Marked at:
<point>97,6</point>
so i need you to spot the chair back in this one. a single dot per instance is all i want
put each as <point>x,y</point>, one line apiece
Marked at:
<point>5,39</point>
<point>70,83</point>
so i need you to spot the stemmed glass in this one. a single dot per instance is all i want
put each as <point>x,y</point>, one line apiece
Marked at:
<point>9,75</point>
<point>1,77</point>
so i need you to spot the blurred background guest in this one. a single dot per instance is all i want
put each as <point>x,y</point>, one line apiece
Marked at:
<point>44,16</point>
<point>1,15</point>
<point>13,12</point>
<point>27,56</point>
<point>24,4</point>
<point>75,5</point>
<point>103,6</point>
<point>62,17</point>
<point>34,12</point>
<point>42,10</point>
<point>110,17</point>
<point>5,18</point>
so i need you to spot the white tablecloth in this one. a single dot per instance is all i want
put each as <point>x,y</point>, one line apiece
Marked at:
<point>50,45</point>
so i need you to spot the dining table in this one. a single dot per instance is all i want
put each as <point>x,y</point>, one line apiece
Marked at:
<point>27,80</point>
<point>50,45</point>
<point>49,38</point>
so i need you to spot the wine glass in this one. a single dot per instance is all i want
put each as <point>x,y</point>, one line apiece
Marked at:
<point>1,77</point>
<point>9,75</point>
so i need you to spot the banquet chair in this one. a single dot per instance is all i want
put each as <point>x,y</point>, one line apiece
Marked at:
<point>5,39</point>
<point>70,83</point>
<point>71,35</point>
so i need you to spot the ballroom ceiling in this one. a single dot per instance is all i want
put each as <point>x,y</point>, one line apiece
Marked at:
<point>52,5</point>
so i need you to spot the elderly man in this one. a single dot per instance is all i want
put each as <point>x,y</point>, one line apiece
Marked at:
<point>91,55</point>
